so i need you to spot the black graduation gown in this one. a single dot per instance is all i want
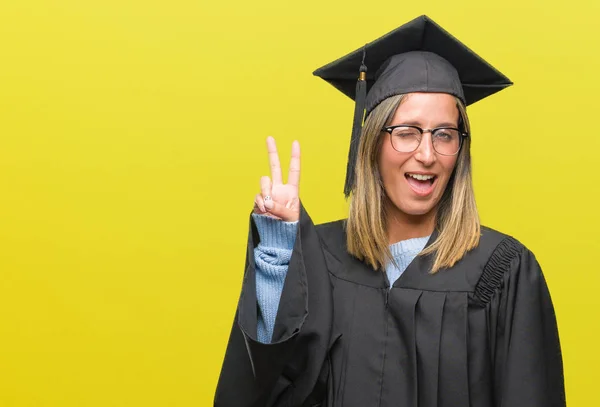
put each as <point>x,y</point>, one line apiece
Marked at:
<point>480,334</point>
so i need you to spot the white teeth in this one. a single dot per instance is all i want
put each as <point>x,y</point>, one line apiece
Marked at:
<point>421,177</point>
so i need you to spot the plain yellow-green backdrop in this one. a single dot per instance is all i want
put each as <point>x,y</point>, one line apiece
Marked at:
<point>131,145</point>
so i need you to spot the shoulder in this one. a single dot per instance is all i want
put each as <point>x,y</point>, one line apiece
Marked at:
<point>492,240</point>
<point>332,229</point>
<point>333,236</point>
<point>494,244</point>
<point>504,257</point>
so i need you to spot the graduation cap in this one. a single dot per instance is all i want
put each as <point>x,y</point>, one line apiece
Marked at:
<point>419,56</point>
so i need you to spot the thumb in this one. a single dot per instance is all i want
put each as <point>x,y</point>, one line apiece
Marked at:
<point>286,213</point>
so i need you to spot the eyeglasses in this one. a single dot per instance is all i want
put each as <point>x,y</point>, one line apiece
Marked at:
<point>407,138</point>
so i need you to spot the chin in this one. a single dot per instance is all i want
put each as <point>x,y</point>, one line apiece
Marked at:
<point>413,208</point>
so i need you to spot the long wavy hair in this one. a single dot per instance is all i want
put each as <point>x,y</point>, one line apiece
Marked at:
<point>457,220</point>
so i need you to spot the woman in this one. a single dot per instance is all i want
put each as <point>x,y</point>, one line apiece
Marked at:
<point>408,302</point>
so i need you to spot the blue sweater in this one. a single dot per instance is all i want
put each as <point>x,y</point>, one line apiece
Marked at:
<point>272,256</point>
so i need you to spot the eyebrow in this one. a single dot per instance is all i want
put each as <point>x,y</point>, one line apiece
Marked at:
<point>418,124</point>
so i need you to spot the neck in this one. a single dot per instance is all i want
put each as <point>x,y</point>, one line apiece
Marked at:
<point>401,226</point>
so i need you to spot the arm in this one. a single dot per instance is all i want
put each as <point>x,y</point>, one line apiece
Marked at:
<point>528,362</point>
<point>290,371</point>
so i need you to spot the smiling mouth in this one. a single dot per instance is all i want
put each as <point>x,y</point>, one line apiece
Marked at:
<point>421,184</point>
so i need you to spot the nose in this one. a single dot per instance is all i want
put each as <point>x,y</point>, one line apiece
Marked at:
<point>425,152</point>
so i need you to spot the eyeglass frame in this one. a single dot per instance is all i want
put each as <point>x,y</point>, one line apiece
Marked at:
<point>463,135</point>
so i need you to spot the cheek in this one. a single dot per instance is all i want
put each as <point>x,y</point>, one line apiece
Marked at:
<point>390,162</point>
<point>448,164</point>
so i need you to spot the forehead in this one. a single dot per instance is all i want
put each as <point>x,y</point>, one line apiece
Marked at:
<point>427,109</point>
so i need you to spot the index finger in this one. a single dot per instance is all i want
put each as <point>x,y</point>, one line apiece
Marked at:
<point>294,174</point>
<point>274,161</point>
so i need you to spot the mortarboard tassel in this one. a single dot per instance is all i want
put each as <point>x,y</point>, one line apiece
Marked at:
<point>359,112</point>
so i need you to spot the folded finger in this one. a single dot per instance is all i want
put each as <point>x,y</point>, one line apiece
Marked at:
<point>259,204</point>
<point>283,212</point>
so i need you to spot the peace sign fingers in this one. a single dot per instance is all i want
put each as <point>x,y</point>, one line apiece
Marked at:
<point>277,199</point>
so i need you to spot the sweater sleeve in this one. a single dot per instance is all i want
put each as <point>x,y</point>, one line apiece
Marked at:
<point>271,256</point>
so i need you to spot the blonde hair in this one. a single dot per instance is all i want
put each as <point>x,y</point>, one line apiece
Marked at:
<point>457,219</point>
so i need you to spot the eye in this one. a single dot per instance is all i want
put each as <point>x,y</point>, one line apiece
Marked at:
<point>405,132</point>
<point>446,134</point>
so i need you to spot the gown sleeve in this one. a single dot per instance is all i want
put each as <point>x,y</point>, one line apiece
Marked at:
<point>290,370</point>
<point>528,366</point>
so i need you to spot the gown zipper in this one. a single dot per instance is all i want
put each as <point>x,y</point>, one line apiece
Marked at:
<point>388,288</point>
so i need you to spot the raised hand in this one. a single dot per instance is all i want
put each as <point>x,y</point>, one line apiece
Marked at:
<point>277,199</point>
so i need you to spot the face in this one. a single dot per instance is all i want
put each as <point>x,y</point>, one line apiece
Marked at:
<point>408,195</point>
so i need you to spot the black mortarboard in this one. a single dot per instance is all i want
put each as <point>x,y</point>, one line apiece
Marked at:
<point>419,56</point>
